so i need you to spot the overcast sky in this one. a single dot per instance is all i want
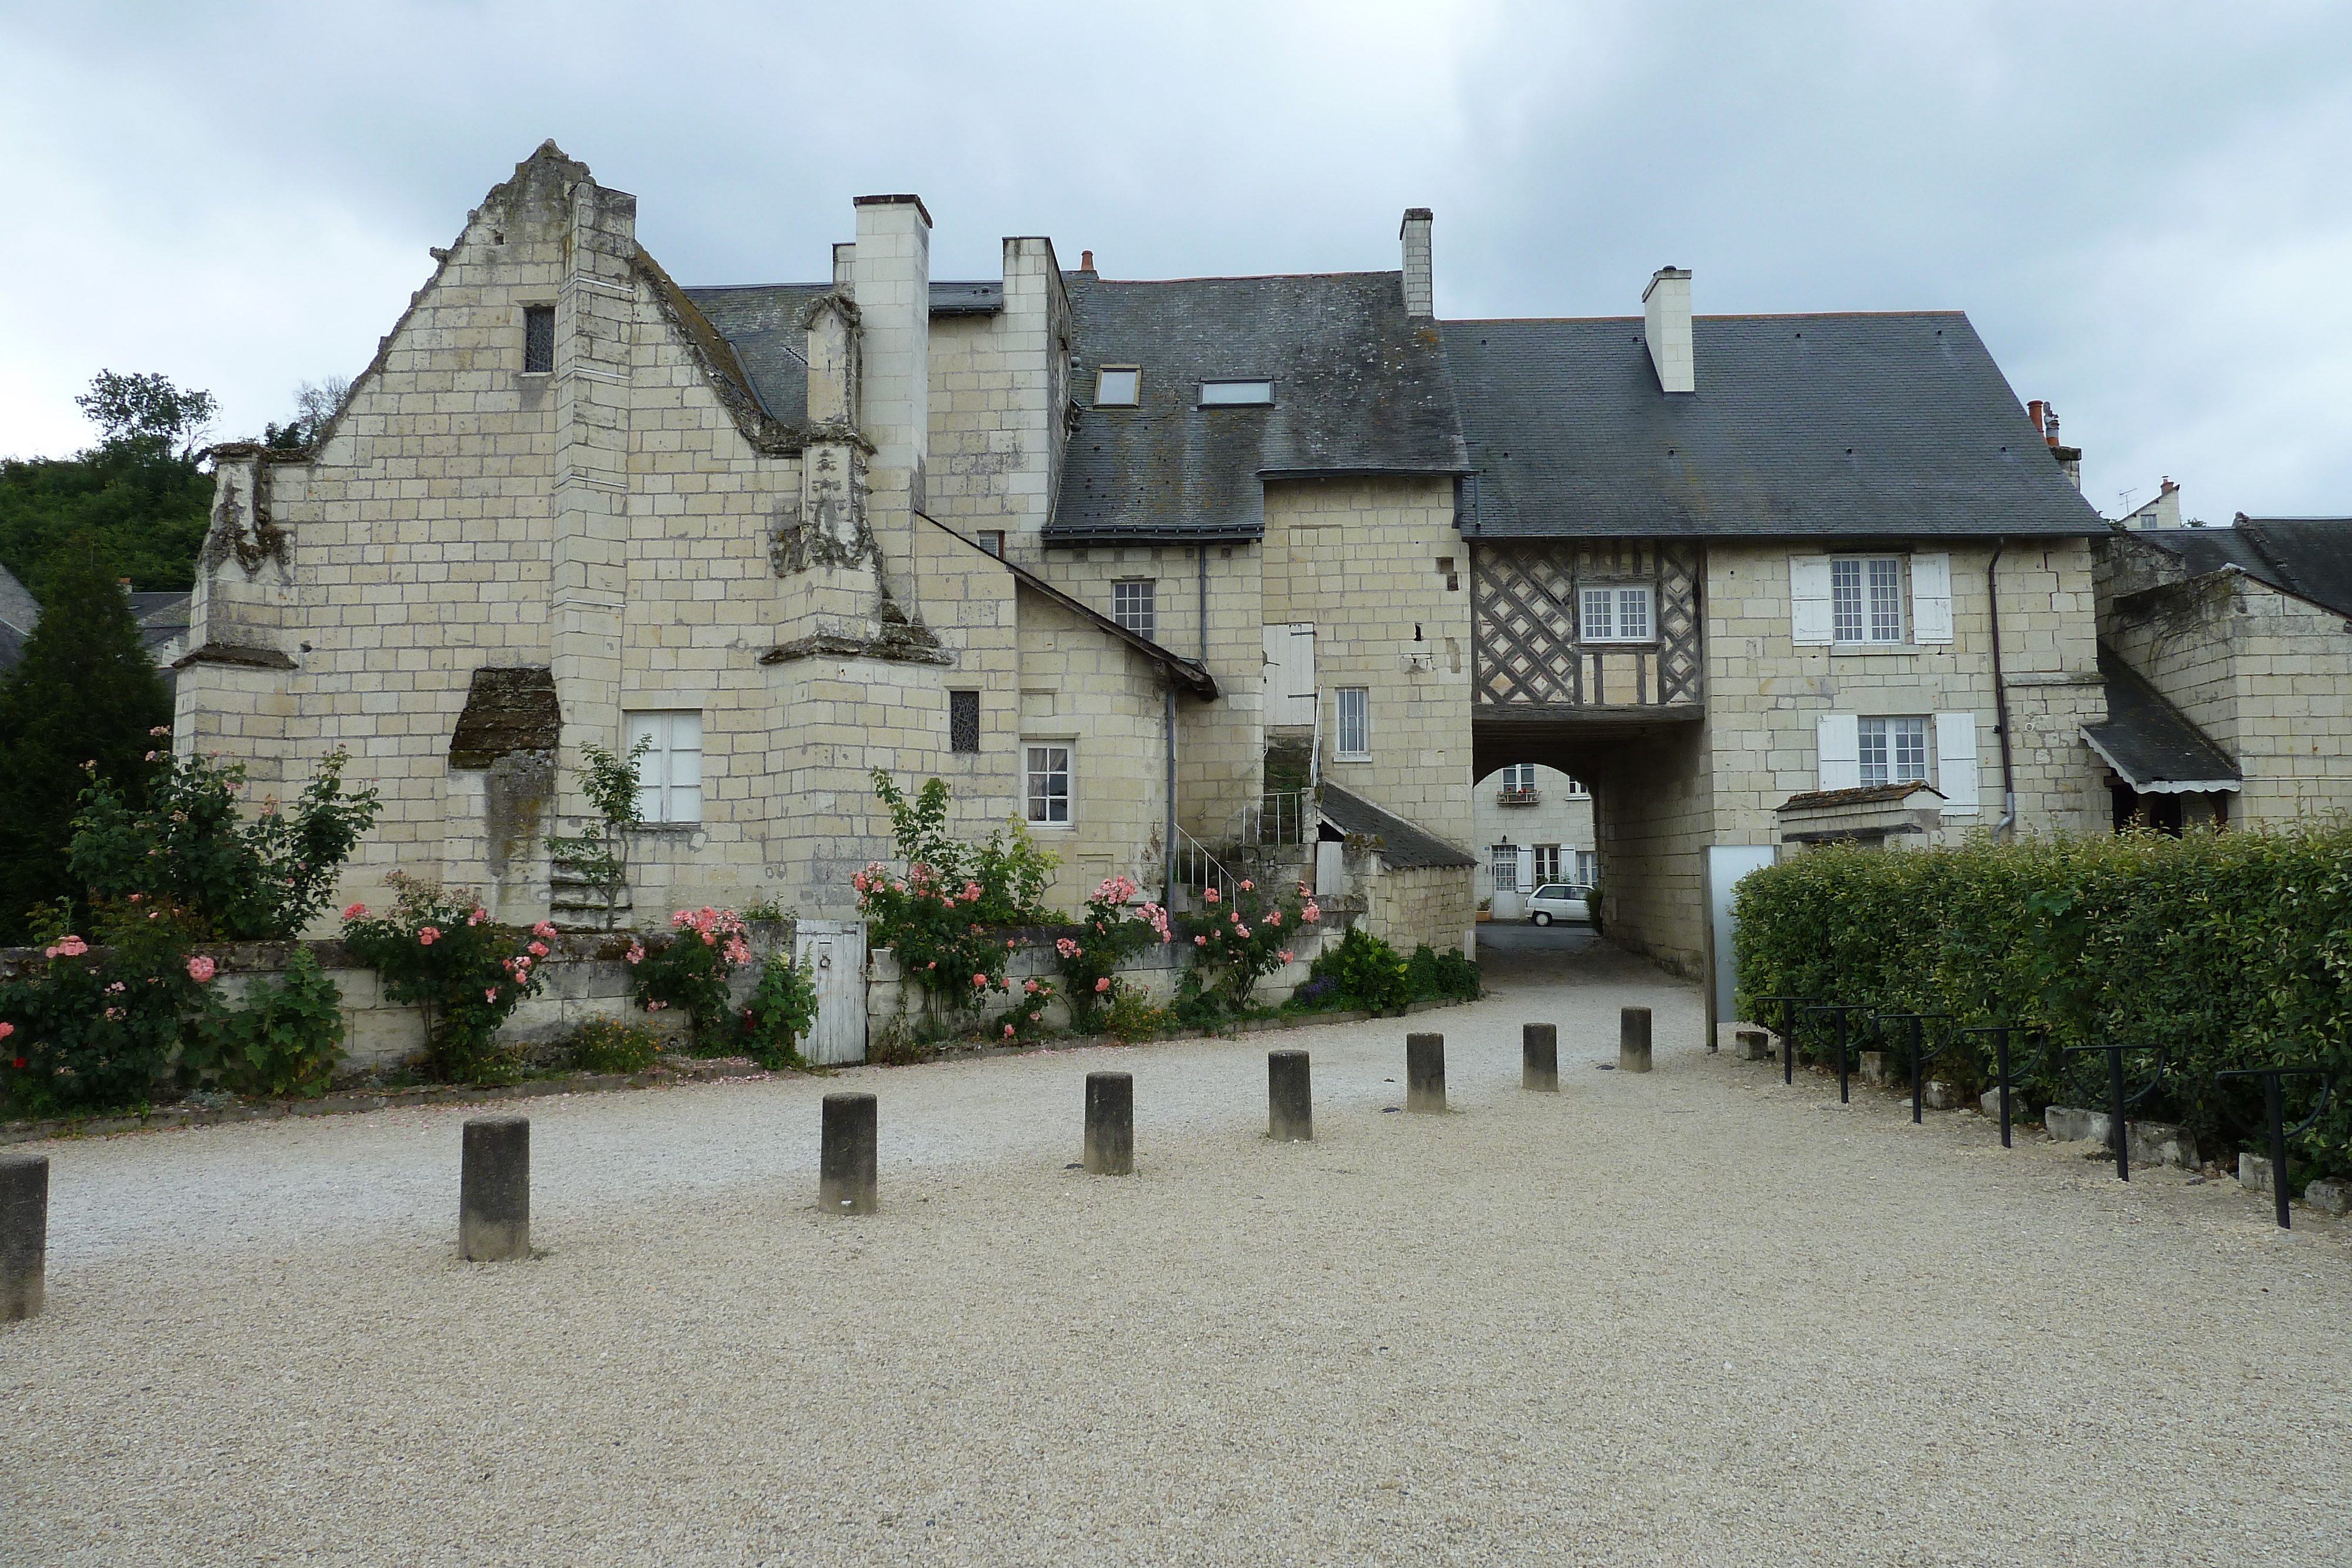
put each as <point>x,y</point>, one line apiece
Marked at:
<point>2143,206</point>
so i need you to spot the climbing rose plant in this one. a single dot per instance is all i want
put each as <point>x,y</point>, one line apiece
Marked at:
<point>1250,936</point>
<point>1113,930</point>
<point>440,950</point>
<point>938,914</point>
<point>691,969</point>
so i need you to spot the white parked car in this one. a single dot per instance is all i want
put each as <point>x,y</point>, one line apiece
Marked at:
<point>1558,901</point>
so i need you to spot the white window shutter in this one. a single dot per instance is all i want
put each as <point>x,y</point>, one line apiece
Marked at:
<point>1809,601</point>
<point>1931,599</point>
<point>1840,743</point>
<point>1956,760</point>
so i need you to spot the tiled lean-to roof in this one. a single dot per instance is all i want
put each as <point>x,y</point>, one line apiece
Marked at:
<point>2151,745</point>
<point>1895,424</point>
<point>1403,846</point>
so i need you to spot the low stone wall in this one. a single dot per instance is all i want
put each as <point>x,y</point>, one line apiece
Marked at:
<point>582,977</point>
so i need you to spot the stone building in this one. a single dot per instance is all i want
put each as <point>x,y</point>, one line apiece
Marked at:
<point>2229,656</point>
<point>1159,568</point>
<point>1535,826</point>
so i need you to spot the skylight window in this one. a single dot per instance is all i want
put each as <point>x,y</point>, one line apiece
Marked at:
<point>1119,386</point>
<point>1235,395</point>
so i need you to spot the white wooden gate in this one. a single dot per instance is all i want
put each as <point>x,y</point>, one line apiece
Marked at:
<point>835,951</point>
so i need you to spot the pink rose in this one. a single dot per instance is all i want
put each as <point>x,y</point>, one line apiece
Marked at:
<point>426,935</point>
<point>1248,886</point>
<point>1242,932</point>
<point>6,1030</point>
<point>980,981</point>
<point>355,912</point>
<point>1035,1016</point>
<point>1274,918</point>
<point>1285,955</point>
<point>1029,985</point>
<point>1209,895</point>
<point>1102,985</point>
<point>200,969</point>
<point>491,994</point>
<point>1310,914</point>
<point>475,918</point>
<point>539,949</point>
<point>543,931</point>
<point>932,964</point>
<point>1008,1032</point>
<point>68,946</point>
<point>1199,941</point>
<point>636,953</point>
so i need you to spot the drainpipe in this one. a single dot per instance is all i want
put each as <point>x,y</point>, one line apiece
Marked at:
<point>2000,695</point>
<point>1168,893</point>
<point>1204,555</point>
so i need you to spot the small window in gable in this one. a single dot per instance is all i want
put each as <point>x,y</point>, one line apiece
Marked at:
<point>537,340</point>
<point>1235,395</point>
<point>963,721</point>
<point>992,541</point>
<point>1119,386</point>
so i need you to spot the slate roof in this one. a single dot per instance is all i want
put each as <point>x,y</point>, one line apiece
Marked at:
<point>2308,557</point>
<point>2150,744</point>
<point>1359,388</point>
<point>1403,846</point>
<point>762,322</point>
<point>1896,424</point>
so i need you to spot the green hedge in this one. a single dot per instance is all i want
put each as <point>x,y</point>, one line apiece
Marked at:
<point>2226,949</point>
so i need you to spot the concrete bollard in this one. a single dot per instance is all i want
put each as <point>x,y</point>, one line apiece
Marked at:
<point>848,1159</point>
<point>494,1190</point>
<point>1110,1123</point>
<point>1425,1073</point>
<point>1539,1058</point>
<point>1633,1040</point>
<point>1289,1098</point>
<point>1755,1045</point>
<point>24,1235</point>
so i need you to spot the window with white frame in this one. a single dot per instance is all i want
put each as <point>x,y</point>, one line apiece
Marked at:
<point>1546,864</point>
<point>1049,786</point>
<point>1866,599</point>
<point>1504,874</point>
<point>1235,395</point>
<point>1118,386</point>
<point>1519,778</point>
<point>1355,727</point>
<point>1131,605</point>
<point>1578,791</point>
<point>670,774</point>
<point>1620,613</point>
<point>1587,868</point>
<point>1893,750</point>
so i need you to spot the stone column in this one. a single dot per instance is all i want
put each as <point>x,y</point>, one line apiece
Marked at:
<point>892,266</point>
<point>847,1180</point>
<point>1633,1040</point>
<point>1110,1123</point>
<point>1425,1073</point>
<point>24,1235</point>
<point>494,1190</point>
<point>1539,1058</point>
<point>1290,1100</point>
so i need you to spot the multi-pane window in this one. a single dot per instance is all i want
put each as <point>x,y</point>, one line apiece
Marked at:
<point>1867,599</point>
<point>1519,778</point>
<point>1587,868</point>
<point>670,774</point>
<point>1049,786</point>
<point>992,541</point>
<point>1618,614</point>
<point>963,721</point>
<point>1507,868</point>
<point>1132,606</point>
<point>1894,751</point>
<point>1547,863</point>
<point>1118,386</point>
<point>1355,737</point>
<point>1578,791</point>
<point>538,339</point>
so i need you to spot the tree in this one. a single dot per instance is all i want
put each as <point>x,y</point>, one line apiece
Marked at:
<point>148,408</point>
<point>86,690</point>
<point>315,403</point>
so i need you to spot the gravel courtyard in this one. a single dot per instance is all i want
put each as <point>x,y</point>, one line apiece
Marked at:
<point>1693,1317</point>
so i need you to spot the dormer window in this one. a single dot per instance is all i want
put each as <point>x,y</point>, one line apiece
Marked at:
<point>1119,386</point>
<point>1236,394</point>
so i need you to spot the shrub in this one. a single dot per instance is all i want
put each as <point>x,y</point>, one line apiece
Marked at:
<point>440,951</point>
<point>599,855</point>
<point>608,1045</point>
<point>282,1038</point>
<point>1111,934</point>
<point>190,845</point>
<point>2226,950</point>
<point>937,915</point>
<point>1363,971</point>
<point>1125,1015</point>
<point>101,1029</point>
<point>1026,1018</point>
<point>1248,937</point>
<point>1458,977</point>
<point>691,969</point>
<point>782,1008</point>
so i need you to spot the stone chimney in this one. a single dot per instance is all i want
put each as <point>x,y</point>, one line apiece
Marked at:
<point>892,268</point>
<point>1667,324</point>
<point>845,270</point>
<point>1420,279</point>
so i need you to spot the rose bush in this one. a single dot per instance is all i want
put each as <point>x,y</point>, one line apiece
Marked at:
<point>691,969</point>
<point>1249,937</point>
<point>440,950</point>
<point>1115,929</point>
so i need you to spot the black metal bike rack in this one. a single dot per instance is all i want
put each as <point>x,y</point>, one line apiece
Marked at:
<point>2001,1033</point>
<point>2117,1104</point>
<point>1844,1011</point>
<point>1920,1055</point>
<point>1790,1008</point>
<point>2275,1122</point>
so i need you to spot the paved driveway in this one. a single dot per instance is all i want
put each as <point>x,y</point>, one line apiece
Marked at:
<point>1686,1317</point>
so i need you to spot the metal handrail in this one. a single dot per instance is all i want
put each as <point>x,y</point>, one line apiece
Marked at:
<point>2274,1117</point>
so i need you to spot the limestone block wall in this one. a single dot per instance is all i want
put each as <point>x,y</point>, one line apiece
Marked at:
<point>1654,812</point>
<point>1220,746</point>
<point>1767,693</point>
<point>999,386</point>
<point>1409,906</point>
<point>1359,559</point>
<point>1559,817</point>
<point>1083,689</point>
<point>2267,676</point>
